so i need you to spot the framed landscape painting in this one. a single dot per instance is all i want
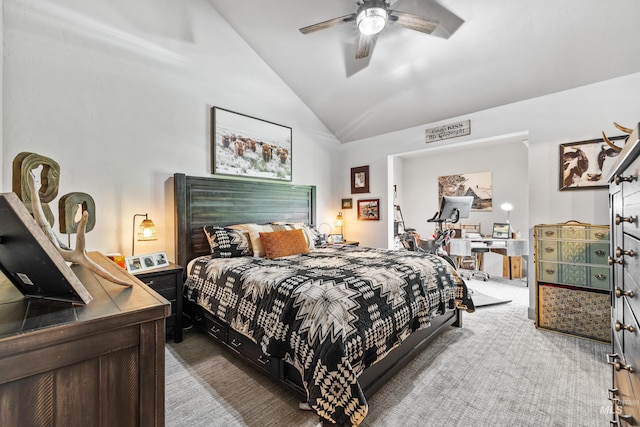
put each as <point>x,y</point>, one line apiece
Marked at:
<point>478,185</point>
<point>250,147</point>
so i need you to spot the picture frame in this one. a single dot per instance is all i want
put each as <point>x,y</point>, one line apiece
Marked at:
<point>479,185</point>
<point>337,238</point>
<point>246,146</point>
<point>360,179</point>
<point>584,164</point>
<point>347,203</point>
<point>501,230</point>
<point>139,263</point>
<point>369,210</point>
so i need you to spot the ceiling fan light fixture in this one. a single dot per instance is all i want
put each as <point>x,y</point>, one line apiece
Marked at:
<point>371,20</point>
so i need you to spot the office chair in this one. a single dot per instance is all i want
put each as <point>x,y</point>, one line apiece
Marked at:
<point>477,252</point>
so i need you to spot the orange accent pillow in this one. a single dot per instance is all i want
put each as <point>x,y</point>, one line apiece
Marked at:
<point>284,243</point>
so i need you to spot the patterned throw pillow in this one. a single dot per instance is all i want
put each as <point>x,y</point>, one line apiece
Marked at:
<point>277,244</point>
<point>227,242</point>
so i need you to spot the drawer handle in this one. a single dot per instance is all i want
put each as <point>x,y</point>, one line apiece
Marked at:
<point>235,343</point>
<point>600,252</point>
<point>215,329</point>
<point>621,252</point>
<point>629,219</point>
<point>600,235</point>
<point>549,233</point>
<point>263,360</point>
<point>621,327</point>
<point>619,179</point>
<point>612,261</point>
<point>149,283</point>
<point>549,250</point>
<point>619,293</point>
<point>549,271</point>
<point>601,277</point>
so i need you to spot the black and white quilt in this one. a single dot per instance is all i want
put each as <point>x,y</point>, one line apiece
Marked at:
<point>331,313</point>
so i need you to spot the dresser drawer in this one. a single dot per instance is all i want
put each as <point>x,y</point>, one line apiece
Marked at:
<point>577,232</point>
<point>599,278</point>
<point>598,253</point>
<point>574,274</point>
<point>632,262</point>
<point>631,210</point>
<point>163,284</point>
<point>548,250</point>
<point>548,272</point>
<point>548,232</point>
<point>573,251</point>
<point>627,330</point>
<point>629,188</point>
<point>598,233</point>
<point>625,403</point>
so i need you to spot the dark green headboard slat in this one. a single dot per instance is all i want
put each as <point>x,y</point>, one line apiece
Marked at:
<point>201,201</point>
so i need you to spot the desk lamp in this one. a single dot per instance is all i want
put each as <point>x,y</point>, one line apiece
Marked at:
<point>506,206</point>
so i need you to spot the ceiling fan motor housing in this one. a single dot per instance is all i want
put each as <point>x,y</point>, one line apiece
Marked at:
<point>372,17</point>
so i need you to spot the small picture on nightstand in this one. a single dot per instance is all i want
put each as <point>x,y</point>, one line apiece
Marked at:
<point>337,238</point>
<point>138,263</point>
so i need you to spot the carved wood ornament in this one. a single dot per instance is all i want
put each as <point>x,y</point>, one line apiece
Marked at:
<point>33,191</point>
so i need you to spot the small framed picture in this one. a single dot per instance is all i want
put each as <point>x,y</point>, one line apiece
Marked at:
<point>337,238</point>
<point>347,203</point>
<point>360,179</point>
<point>369,210</point>
<point>138,263</point>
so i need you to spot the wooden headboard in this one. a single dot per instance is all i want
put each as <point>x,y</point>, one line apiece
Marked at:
<point>201,201</point>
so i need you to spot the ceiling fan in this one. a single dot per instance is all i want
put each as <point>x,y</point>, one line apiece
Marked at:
<point>371,18</point>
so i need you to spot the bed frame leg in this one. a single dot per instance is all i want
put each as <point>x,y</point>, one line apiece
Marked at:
<point>458,322</point>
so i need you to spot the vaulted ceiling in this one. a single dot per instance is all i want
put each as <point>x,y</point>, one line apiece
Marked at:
<point>484,54</point>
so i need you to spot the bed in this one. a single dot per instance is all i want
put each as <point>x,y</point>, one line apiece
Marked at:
<point>333,323</point>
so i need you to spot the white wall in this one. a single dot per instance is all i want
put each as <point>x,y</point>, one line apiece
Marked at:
<point>506,160</point>
<point>119,93</point>
<point>573,115</point>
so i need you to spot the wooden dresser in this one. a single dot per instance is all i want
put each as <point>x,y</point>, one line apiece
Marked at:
<point>624,195</point>
<point>100,364</point>
<point>572,279</point>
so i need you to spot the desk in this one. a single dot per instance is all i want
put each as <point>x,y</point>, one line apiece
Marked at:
<point>511,249</point>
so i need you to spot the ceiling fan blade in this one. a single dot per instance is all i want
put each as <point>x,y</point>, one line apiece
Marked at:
<point>413,22</point>
<point>328,24</point>
<point>365,46</point>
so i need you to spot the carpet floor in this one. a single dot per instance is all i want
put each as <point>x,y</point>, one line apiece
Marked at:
<point>497,370</point>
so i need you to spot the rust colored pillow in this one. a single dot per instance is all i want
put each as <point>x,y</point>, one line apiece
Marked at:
<point>284,243</point>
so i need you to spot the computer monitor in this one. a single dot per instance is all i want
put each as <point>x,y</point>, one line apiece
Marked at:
<point>452,208</point>
<point>501,230</point>
<point>30,261</point>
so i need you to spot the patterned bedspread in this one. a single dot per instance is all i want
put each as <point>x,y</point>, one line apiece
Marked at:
<point>330,313</point>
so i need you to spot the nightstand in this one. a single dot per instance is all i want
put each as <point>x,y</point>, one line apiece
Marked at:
<point>167,281</point>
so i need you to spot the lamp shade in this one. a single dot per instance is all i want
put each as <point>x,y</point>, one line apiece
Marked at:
<point>146,231</point>
<point>339,220</point>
